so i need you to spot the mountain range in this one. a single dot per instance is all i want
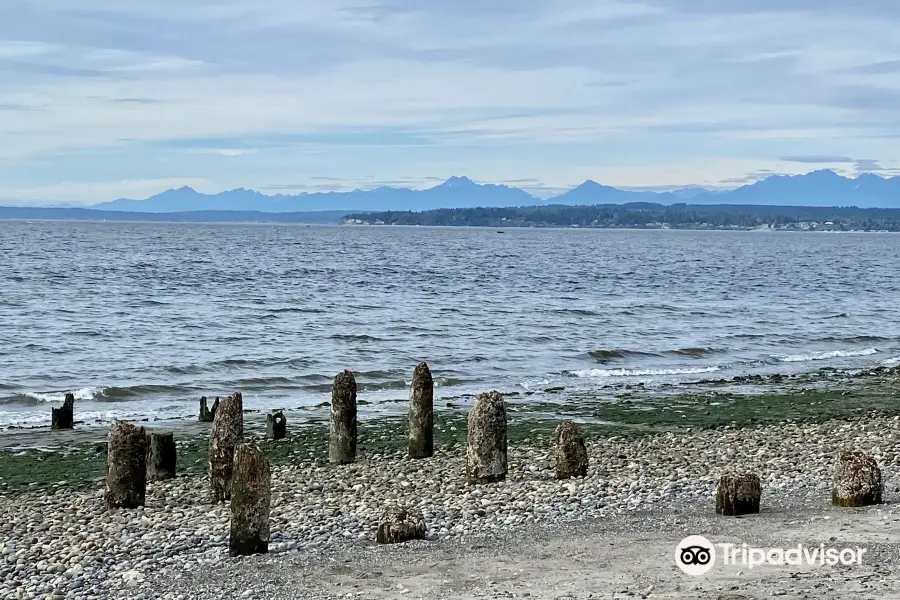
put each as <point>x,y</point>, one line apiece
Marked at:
<point>817,188</point>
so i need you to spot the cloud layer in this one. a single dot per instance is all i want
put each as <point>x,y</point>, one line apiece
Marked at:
<point>102,98</point>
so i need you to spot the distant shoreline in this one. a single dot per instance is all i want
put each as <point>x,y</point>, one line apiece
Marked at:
<point>647,216</point>
<point>639,216</point>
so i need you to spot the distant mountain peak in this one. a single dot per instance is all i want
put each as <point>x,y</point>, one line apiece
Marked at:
<point>455,181</point>
<point>823,174</point>
<point>589,184</point>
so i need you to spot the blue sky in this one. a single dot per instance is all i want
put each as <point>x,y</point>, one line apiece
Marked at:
<point>102,99</point>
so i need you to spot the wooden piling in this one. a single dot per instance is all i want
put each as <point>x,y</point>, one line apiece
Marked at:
<point>421,413</point>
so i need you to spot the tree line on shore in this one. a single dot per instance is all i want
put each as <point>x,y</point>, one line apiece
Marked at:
<point>647,216</point>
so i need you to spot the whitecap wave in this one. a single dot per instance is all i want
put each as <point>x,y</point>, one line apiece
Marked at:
<point>535,383</point>
<point>826,355</point>
<point>640,372</point>
<point>86,393</point>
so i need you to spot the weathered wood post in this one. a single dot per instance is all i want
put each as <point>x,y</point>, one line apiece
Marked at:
<point>421,413</point>
<point>227,433</point>
<point>250,501</point>
<point>126,472</point>
<point>857,480</point>
<point>570,451</point>
<point>342,439</point>
<point>738,494</point>
<point>400,524</point>
<point>276,426</point>
<point>207,415</point>
<point>487,442</point>
<point>63,417</point>
<point>162,455</point>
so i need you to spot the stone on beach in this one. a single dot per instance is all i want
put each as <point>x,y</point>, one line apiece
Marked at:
<point>227,433</point>
<point>63,417</point>
<point>857,480</point>
<point>342,437</point>
<point>126,473</point>
<point>207,415</point>
<point>421,413</point>
<point>162,456</point>
<point>486,460</point>
<point>250,502</point>
<point>276,426</point>
<point>400,524</point>
<point>738,494</point>
<point>571,453</point>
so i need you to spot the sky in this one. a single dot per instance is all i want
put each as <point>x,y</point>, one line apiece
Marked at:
<point>101,99</point>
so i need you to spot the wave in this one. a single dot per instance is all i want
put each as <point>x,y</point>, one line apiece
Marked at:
<point>604,356</point>
<point>594,373</point>
<point>355,338</point>
<point>854,339</point>
<point>230,363</point>
<point>826,355</point>
<point>384,385</point>
<point>262,382</point>
<point>294,309</point>
<point>94,394</point>
<point>581,312</point>
<point>694,352</point>
<point>535,383</point>
<point>33,398</point>
<point>616,353</point>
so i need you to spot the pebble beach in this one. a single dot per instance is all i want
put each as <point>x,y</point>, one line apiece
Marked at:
<point>62,542</point>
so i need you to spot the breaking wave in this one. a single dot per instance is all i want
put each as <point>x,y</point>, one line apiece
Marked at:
<point>639,372</point>
<point>96,394</point>
<point>790,358</point>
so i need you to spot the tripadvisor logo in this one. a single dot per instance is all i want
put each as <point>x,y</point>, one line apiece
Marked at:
<point>696,555</point>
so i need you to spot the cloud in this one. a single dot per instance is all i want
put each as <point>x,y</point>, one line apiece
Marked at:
<point>878,68</point>
<point>501,91</point>
<point>225,151</point>
<point>814,159</point>
<point>865,165</point>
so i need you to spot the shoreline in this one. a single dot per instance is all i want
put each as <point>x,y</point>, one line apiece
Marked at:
<point>65,537</point>
<point>709,402</point>
<point>275,222</point>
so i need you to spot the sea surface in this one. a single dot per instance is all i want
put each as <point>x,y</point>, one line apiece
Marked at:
<point>140,320</point>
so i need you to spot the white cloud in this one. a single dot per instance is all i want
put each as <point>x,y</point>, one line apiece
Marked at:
<point>226,151</point>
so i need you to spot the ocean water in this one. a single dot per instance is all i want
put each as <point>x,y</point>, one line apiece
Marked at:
<point>140,320</point>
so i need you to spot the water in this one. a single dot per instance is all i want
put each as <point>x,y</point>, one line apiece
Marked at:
<point>140,320</point>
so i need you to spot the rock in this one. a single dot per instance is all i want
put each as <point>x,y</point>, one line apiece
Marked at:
<point>738,494</point>
<point>162,455</point>
<point>227,433</point>
<point>421,413</point>
<point>126,473</point>
<point>132,578</point>
<point>250,502</point>
<point>342,438</point>
<point>571,453</point>
<point>857,480</point>
<point>400,524</point>
<point>276,426</point>
<point>486,459</point>
<point>63,417</point>
<point>207,415</point>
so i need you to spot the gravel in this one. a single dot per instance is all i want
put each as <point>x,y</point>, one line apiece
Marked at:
<point>64,543</point>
